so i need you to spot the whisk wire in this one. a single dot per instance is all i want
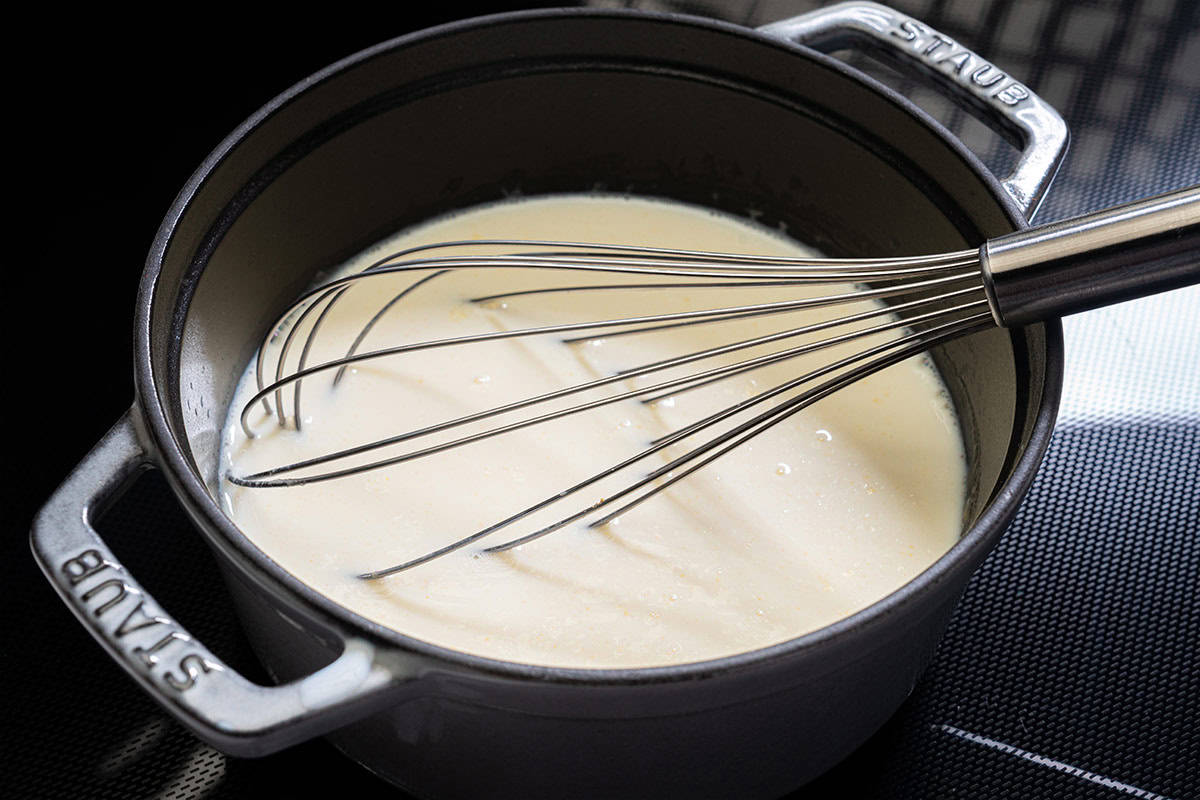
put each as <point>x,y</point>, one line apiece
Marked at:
<point>262,479</point>
<point>933,299</point>
<point>876,269</point>
<point>912,344</point>
<point>758,426</point>
<point>647,322</point>
<point>659,390</point>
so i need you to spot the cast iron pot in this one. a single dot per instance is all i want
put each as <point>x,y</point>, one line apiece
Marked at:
<point>563,101</point>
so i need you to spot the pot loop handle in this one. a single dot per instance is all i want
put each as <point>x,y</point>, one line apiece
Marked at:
<point>219,705</point>
<point>1006,104</point>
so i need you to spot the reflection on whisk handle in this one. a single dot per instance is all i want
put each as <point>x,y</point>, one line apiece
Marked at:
<point>1078,264</point>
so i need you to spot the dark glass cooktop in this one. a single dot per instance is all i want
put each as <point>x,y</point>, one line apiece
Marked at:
<point>1072,666</point>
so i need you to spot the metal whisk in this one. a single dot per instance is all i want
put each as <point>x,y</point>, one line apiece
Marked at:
<point>1126,252</point>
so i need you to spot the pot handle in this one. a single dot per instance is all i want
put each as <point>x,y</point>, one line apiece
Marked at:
<point>219,705</point>
<point>1005,103</point>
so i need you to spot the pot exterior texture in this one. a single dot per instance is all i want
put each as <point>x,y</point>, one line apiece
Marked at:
<point>757,732</point>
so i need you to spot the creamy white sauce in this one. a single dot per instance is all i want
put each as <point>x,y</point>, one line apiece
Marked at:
<point>816,519</point>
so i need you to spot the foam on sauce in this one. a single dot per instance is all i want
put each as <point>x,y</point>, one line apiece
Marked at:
<point>823,515</point>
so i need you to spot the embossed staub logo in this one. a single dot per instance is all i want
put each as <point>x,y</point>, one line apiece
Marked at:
<point>104,590</point>
<point>943,53</point>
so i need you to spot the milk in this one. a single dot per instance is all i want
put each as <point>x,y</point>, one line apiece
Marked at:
<point>822,515</point>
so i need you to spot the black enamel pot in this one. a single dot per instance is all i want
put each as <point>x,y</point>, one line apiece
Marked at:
<point>534,103</point>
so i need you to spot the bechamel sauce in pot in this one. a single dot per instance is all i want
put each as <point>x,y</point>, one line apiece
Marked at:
<point>814,520</point>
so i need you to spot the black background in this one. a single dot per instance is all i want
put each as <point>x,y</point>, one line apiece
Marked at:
<point>118,114</point>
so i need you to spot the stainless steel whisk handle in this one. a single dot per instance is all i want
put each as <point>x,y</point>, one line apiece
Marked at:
<point>1130,251</point>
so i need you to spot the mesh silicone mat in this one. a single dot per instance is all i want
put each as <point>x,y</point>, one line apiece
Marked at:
<point>1071,668</point>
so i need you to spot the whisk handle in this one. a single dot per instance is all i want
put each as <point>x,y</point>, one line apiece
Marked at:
<point>1122,253</point>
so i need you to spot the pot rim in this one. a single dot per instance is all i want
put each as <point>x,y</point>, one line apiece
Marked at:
<point>223,534</point>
